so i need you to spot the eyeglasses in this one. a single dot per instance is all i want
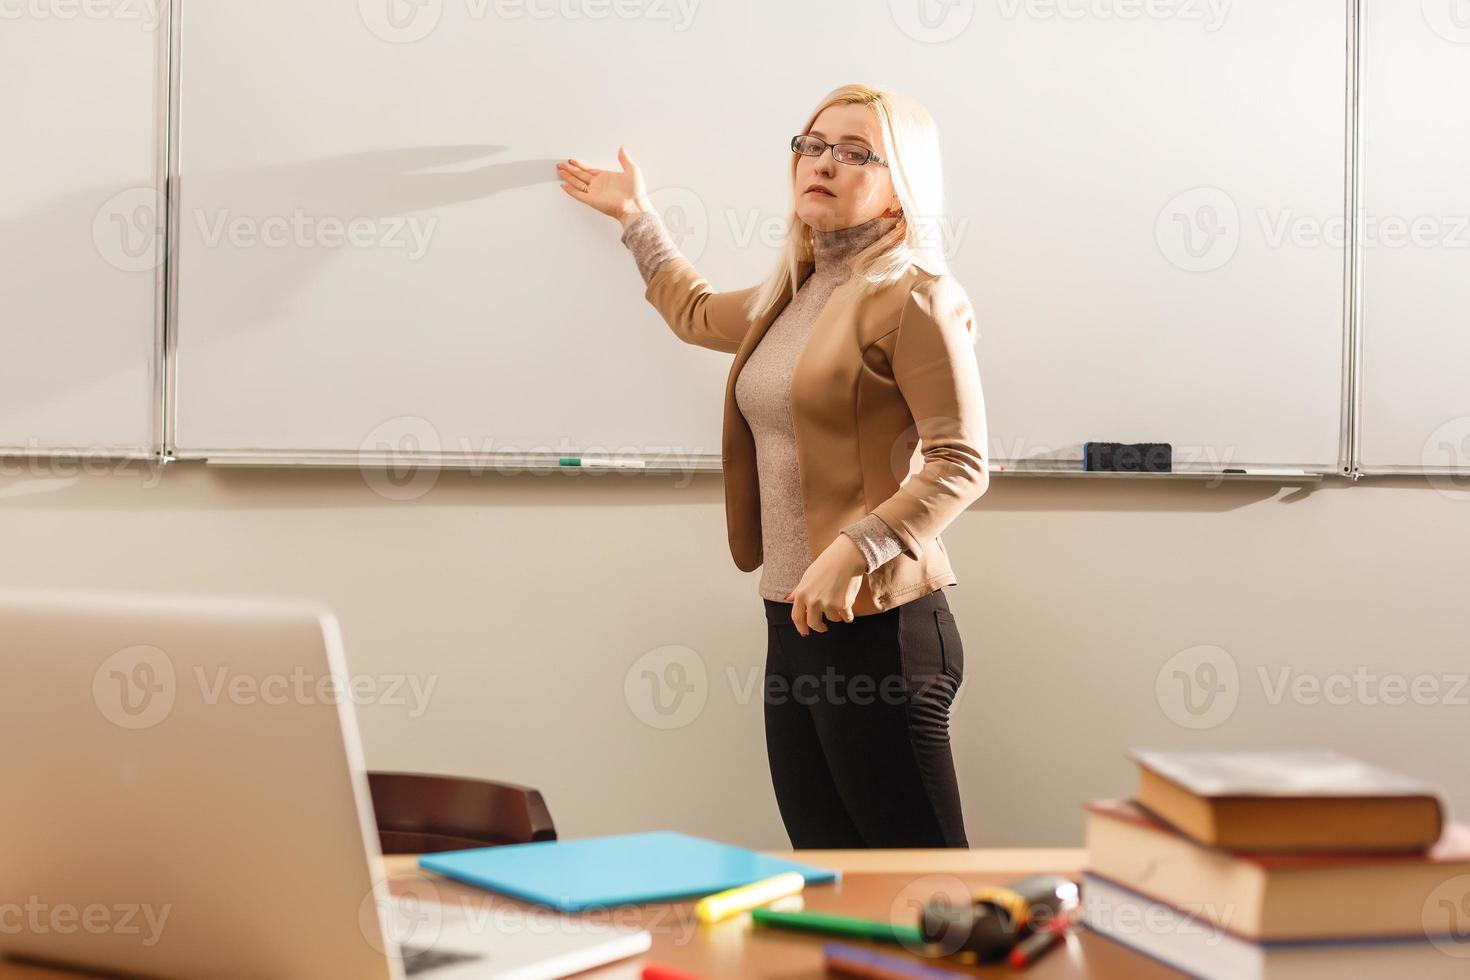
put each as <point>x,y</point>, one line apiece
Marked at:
<point>852,154</point>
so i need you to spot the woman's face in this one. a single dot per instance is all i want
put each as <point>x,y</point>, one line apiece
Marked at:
<point>850,195</point>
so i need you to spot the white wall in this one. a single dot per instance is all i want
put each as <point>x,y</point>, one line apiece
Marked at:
<point>526,600</point>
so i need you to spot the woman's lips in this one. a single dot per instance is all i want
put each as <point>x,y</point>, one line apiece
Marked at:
<point>820,193</point>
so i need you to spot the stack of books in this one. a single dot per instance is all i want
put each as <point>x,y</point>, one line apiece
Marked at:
<point>1280,866</point>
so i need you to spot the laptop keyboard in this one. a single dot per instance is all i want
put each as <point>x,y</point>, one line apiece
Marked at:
<point>422,959</point>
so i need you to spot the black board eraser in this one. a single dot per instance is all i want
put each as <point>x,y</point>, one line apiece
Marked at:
<point>1128,457</point>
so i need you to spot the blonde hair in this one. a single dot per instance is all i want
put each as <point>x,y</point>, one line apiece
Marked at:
<point>910,144</point>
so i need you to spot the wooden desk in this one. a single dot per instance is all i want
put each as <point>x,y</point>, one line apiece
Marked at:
<point>875,884</point>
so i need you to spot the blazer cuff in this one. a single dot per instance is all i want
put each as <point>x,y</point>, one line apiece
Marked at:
<point>875,540</point>
<point>649,241</point>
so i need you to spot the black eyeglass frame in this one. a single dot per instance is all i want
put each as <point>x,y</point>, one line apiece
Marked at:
<point>872,157</point>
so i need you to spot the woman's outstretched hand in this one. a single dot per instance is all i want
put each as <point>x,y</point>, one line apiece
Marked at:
<point>619,194</point>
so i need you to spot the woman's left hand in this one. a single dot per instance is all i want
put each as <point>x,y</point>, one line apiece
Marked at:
<point>828,587</point>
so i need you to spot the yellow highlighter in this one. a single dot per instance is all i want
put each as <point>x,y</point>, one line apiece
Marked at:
<point>722,905</point>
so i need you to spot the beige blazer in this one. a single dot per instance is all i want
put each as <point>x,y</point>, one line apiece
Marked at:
<point>886,408</point>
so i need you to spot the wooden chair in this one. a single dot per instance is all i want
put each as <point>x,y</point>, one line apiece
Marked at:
<point>422,814</point>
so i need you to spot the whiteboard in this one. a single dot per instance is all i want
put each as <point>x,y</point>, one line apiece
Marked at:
<point>1115,191</point>
<point>80,227</point>
<point>1415,402</point>
<point>1147,195</point>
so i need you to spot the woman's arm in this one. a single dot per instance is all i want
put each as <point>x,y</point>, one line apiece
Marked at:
<point>934,366</point>
<point>696,313</point>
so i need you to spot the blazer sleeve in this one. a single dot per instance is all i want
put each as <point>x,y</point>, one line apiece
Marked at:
<point>876,540</point>
<point>936,371</point>
<point>696,313</point>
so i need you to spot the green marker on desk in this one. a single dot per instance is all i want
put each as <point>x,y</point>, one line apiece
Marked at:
<point>591,462</point>
<point>839,925</point>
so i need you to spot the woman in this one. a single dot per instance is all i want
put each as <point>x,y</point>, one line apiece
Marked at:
<point>854,368</point>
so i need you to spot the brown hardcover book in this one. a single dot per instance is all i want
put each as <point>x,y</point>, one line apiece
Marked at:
<point>1288,800</point>
<point>1271,896</point>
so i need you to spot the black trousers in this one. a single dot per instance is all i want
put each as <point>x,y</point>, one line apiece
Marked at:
<point>857,727</point>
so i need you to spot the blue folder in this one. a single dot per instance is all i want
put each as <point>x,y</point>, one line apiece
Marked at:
<point>597,872</point>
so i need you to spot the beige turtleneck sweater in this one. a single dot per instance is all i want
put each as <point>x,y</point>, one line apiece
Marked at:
<point>763,395</point>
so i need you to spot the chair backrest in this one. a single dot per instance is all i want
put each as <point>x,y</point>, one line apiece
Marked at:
<point>424,814</point>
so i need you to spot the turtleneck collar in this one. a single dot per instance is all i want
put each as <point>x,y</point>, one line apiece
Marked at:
<point>832,251</point>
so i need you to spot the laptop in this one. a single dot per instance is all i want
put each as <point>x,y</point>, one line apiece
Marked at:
<point>185,797</point>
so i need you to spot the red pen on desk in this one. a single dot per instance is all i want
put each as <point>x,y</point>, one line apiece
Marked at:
<point>1034,946</point>
<point>658,971</point>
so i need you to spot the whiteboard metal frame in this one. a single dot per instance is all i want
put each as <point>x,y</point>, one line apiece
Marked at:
<point>1360,469</point>
<point>542,462</point>
<point>168,339</point>
<point>163,99</point>
<point>487,462</point>
<point>1348,462</point>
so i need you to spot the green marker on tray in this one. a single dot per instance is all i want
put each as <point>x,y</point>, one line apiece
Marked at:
<point>590,462</point>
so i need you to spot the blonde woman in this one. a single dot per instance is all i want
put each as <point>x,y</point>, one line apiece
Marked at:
<point>854,432</point>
